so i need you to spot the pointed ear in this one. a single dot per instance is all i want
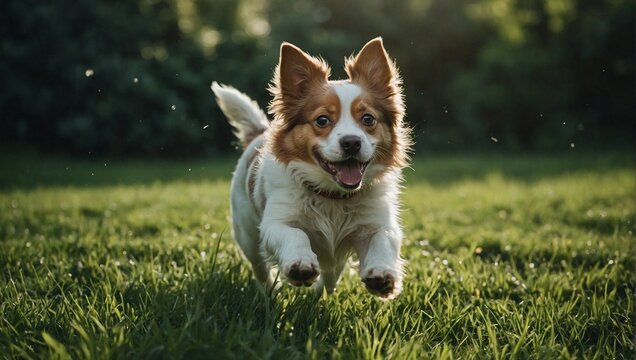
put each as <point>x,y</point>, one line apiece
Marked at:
<point>373,67</point>
<point>296,71</point>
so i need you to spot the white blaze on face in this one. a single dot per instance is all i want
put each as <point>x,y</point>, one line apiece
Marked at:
<point>346,125</point>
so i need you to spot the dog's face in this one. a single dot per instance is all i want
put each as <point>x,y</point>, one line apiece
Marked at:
<point>339,135</point>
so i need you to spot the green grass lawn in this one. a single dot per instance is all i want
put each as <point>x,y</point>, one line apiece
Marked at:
<point>523,256</point>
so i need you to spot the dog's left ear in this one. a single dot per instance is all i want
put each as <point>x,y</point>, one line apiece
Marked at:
<point>373,68</point>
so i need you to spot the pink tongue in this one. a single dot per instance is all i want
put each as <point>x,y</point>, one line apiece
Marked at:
<point>350,173</point>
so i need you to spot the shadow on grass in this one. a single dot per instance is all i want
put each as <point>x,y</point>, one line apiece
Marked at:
<point>200,308</point>
<point>28,170</point>
<point>525,168</point>
<point>216,315</point>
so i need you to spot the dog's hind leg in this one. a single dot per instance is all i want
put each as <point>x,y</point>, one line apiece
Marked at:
<point>246,235</point>
<point>245,218</point>
<point>260,267</point>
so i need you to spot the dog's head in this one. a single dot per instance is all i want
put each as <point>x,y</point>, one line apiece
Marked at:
<point>338,135</point>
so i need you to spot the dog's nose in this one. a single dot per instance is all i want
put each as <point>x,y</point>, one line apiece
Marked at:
<point>350,144</point>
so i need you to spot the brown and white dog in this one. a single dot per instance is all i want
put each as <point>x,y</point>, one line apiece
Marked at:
<point>322,179</point>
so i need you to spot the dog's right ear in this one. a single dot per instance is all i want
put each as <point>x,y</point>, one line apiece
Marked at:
<point>295,73</point>
<point>297,70</point>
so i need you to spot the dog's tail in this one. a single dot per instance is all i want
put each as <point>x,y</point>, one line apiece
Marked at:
<point>244,114</point>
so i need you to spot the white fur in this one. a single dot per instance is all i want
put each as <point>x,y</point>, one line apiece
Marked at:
<point>244,114</point>
<point>346,125</point>
<point>282,222</point>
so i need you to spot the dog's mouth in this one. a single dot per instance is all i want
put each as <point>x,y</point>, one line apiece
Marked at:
<point>347,173</point>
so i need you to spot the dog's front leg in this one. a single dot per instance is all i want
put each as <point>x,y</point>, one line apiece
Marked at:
<point>380,262</point>
<point>288,246</point>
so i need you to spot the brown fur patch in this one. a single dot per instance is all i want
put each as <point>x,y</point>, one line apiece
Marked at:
<point>297,142</point>
<point>302,93</point>
<point>378,76</point>
<point>297,75</point>
<point>253,163</point>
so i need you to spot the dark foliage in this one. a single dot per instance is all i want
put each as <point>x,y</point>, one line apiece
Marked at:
<point>123,77</point>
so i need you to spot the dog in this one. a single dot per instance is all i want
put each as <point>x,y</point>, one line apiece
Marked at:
<point>322,179</point>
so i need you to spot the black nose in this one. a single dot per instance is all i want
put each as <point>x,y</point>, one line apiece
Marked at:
<point>350,144</point>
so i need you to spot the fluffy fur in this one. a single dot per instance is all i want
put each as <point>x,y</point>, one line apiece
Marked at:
<point>321,181</point>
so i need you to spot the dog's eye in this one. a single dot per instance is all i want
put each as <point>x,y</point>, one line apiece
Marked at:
<point>368,120</point>
<point>322,121</point>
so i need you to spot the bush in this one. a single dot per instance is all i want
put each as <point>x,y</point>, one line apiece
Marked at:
<point>127,77</point>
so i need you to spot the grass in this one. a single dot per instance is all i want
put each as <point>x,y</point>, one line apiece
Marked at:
<point>509,256</point>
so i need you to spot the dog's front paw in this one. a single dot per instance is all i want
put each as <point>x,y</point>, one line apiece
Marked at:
<point>301,272</point>
<point>385,284</point>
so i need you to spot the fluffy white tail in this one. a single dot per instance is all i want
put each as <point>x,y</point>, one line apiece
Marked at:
<point>244,114</point>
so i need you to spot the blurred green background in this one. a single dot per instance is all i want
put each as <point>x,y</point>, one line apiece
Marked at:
<point>131,77</point>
